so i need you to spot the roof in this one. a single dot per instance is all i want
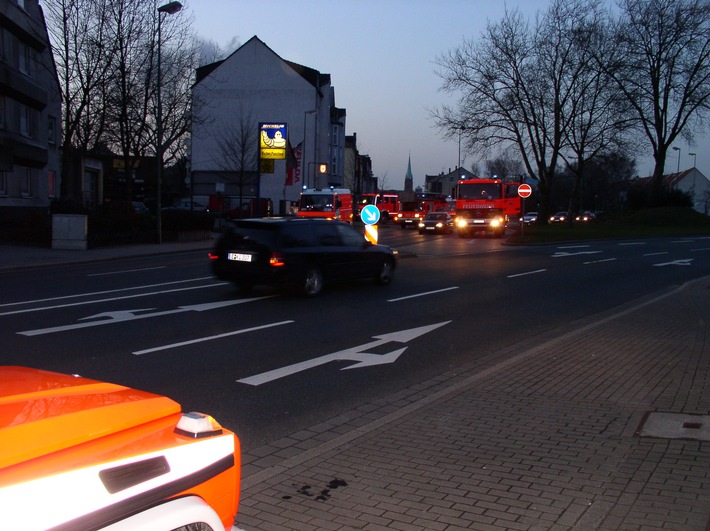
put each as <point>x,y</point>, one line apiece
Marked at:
<point>311,75</point>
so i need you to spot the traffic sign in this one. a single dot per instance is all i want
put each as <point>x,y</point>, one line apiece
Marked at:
<point>370,214</point>
<point>524,190</point>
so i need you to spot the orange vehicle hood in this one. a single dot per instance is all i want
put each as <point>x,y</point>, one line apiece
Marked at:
<point>90,451</point>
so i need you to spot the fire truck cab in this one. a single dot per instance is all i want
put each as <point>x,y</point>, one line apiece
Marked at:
<point>485,205</point>
<point>80,454</point>
<point>330,203</point>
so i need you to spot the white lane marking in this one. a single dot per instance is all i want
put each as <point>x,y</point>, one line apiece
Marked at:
<point>92,293</point>
<point>527,273</point>
<point>130,315</point>
<point>147,294</point>
<point>209,338</point>
<point>574,246</point>
<point>656,254</point>
<point>422,294</point>
<point>125,271</point>
<point>599,261</point>
<point>628,244</point>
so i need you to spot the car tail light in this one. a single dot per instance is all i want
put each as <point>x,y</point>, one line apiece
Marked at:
<point>276,260</point>
<point>213,256</point>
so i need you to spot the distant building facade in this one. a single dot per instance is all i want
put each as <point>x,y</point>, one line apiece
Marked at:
<point>445,183</point>
<point>254,85</point>
<point>30,112</point>
<point>358,169</point>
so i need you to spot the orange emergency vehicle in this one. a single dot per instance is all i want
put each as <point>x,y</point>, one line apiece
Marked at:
<point>330,203</point>
<point>80,454</point>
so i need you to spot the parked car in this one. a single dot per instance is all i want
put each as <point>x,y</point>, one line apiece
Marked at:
<point>305,253</point>
<point>559,217</point>
<point>585,217</point>
<point>529,218</point>
<point>437,222</point>
<point>186,204</point>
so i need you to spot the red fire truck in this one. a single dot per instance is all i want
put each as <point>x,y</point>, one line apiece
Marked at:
<point>331,203</point>
<point>388,204</point>
<point>485,205</point>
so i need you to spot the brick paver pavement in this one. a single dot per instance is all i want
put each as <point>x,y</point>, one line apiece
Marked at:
<point>547,437</point>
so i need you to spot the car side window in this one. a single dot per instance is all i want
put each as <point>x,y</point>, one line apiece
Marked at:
<point>350,236</point>
<point>301,236</point>
<point>327,235</point>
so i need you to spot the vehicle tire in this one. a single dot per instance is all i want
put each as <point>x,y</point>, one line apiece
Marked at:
<point>312,282</point>
<point>386,272</point>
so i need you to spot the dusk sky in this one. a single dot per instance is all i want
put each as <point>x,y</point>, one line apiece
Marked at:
<point>380,55</point>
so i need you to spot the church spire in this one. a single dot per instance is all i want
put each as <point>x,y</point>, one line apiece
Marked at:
<point>408,179</point>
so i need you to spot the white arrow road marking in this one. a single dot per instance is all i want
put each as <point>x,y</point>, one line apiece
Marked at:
<point>682,262</point>
<point>559,254</point>
<point>357,354</point>
<point>121,316</point>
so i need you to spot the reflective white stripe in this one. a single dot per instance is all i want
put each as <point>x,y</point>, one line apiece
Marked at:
<point>53,500</point>
<point>171,515</point>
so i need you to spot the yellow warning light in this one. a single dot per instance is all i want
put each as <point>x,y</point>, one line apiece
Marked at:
<point>322,168</point>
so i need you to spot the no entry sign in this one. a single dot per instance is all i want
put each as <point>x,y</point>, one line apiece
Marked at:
<point>524,190</point>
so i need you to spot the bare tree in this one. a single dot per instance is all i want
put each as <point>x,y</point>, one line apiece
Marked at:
<point>83,55</point>
<point>660,59</point>
<point>508,95</point>
<point>236,150</point>
<point>504,167</point>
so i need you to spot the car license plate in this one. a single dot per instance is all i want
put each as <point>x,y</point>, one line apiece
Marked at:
<point>239,257</point>
<point>430,228</point>
<point>479,221</point>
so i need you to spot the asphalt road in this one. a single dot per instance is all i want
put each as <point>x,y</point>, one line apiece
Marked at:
<point>269,364</point>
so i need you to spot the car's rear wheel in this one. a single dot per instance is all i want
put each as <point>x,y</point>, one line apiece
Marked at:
<point>386,272</point>
<point>312,282</point>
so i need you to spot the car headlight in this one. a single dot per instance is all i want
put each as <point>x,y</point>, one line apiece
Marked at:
<point>461,223</point>
<point>439,225</point>
<point>421,224</point>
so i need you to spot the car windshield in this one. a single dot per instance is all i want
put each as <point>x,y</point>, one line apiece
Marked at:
<point>317,202</point>
<point>437,217</point>
<point>479,191</point>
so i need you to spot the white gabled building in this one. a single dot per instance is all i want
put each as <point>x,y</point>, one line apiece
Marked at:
<point>232,97</point>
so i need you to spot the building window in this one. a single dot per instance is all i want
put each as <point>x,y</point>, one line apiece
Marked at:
<point>3,183</point>
<point>24,58</point>
<point>52,129</point>
<point>25,120</point>
<point>26,183</point>
<point>51,184</point>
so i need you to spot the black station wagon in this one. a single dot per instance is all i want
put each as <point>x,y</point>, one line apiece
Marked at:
<point>298,252</point>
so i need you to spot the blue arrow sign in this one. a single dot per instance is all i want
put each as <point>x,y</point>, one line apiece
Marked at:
<point>370,214</point>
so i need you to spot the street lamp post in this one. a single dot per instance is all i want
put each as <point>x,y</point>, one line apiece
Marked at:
<point>170,8</point>
<point>678,150</point>
<point>693,155</point>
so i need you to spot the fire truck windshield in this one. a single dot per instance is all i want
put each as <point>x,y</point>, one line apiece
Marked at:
<point>479,191</point>
<point>321,203</point>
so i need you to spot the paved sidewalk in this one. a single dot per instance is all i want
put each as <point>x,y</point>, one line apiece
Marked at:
<point>604,426</point>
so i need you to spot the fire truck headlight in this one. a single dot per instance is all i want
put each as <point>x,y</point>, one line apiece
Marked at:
<point>495,222</point>
<point>197,425</point>
<point>461,222</point>
<point>421,225</point>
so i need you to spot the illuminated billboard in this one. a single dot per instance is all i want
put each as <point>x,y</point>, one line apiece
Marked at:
<point>273,139</point>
